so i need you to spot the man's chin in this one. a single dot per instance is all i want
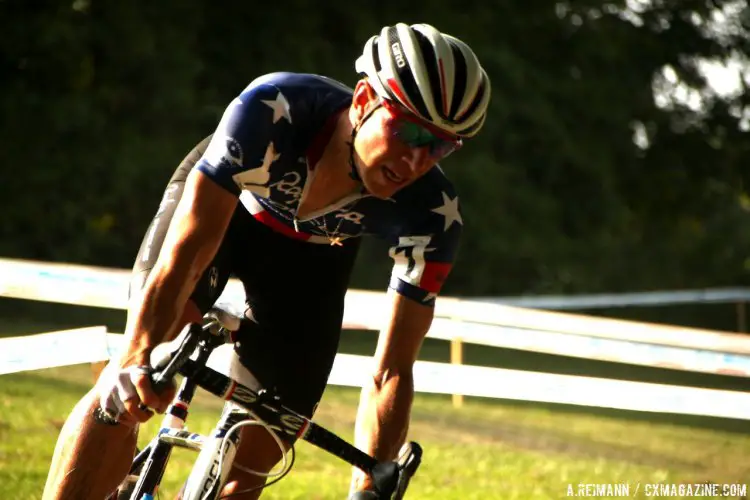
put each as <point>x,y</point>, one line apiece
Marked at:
<point>378,190</point>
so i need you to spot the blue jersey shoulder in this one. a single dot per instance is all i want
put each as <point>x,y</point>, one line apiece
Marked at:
<point>433,201</point>
<point>278,112</point>
<point>424,245</point>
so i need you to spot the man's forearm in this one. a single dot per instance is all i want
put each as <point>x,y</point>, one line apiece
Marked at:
<point>156,311</point>
<point>154,316</point>
<point>383,417</point>
<point>385,404</point>
<point>189,246</point>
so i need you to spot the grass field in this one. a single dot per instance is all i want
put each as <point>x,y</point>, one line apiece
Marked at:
<point>485,450</point>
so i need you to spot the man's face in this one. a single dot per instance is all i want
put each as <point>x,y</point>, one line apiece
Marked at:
<point>395,149</point>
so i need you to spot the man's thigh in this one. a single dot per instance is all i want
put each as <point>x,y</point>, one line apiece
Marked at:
<point>295,294</point>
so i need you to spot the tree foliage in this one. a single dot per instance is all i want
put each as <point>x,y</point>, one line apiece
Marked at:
<point>588,176</point>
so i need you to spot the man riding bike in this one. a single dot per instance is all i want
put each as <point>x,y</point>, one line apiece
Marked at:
<point>297,170</point>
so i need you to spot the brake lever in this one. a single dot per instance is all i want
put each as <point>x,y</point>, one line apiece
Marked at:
<point>408,462</point>
<point>391,479</point>
<point>385,477</point>
<point>161,377</point>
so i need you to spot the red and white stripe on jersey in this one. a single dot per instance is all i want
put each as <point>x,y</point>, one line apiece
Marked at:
<point>262,215</point>
<point>411,266</point>
<point>434,275</point>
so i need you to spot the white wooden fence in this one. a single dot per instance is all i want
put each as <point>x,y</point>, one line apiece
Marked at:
<point>457,321</point>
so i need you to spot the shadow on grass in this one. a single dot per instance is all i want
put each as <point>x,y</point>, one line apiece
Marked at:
<point>554,441</point>
<point>34,382</point>
<point>19,317</point>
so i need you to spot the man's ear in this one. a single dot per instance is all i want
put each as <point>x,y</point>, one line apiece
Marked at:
<point>363,97</point>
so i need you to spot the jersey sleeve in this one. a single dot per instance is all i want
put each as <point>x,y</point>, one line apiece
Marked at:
<point>424,256</point>
<point>242,148</point>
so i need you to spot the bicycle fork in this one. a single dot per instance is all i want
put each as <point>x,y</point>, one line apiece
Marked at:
<point>150,463</point>
<point>211,469</point>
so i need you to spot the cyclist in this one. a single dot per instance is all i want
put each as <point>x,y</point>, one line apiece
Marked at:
<point>297,170</point>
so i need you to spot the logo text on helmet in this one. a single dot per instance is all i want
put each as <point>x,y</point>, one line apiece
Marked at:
<point>400,61</point>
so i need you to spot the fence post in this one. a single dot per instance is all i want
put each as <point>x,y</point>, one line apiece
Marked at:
<point>457,358</point>
<point>741,324</point>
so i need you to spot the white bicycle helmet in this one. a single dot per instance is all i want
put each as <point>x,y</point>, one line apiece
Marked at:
<point>435,76</point>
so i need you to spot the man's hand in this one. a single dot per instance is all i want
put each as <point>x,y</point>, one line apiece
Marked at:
<point>127,395</point>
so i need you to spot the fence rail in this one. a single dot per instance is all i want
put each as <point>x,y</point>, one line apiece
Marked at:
<point>607,300</point>
<point>457,320</point>
<point>66,347</point>
<point>738,296</point>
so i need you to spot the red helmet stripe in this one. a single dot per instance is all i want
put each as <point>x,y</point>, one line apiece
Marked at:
<point>401,97</point>
<point>442,87</point>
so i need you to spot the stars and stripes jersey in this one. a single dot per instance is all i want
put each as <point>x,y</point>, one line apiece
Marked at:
<point>265,148</point>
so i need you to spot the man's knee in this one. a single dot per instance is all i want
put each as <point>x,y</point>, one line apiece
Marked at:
<point>258,450</point>
<point>90,458</point>
<point>85,425</point>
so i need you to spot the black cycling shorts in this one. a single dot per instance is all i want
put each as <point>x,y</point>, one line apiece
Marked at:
<point>295,290</point>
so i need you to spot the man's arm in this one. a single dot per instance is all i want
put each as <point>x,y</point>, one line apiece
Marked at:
<point>385,403</point>
<point>197,229</point>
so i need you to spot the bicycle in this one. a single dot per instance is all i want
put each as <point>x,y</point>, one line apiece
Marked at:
<point>211,469</point>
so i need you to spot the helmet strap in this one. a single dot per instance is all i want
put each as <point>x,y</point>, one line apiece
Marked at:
<point>354,173</point>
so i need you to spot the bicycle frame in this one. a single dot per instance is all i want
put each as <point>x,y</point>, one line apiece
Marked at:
<point>389,478</point>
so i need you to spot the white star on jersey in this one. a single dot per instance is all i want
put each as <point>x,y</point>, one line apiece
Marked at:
<point>449,210</point>
<point>280,107</point>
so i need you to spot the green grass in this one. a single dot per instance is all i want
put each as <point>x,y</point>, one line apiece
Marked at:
<point>486,450</point>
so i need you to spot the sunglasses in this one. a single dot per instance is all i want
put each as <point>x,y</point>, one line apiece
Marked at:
<point>417,134</point>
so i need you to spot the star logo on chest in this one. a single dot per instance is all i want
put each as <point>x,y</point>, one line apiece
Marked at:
<point>280,107</point>
<point>449,210</point>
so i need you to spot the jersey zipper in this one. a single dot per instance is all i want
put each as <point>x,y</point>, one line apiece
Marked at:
<point>346,200</point>
<point>327,210</point>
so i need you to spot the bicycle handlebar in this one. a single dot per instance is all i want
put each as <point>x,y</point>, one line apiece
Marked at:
<point>162,375</point>
<point>161,378</point>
